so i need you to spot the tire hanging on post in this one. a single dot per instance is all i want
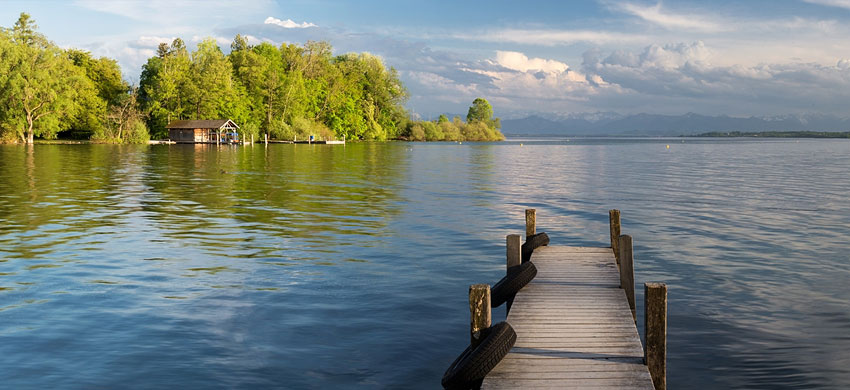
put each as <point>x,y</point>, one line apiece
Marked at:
<point>533,242</point>
<point>476,362</point>
<point>511,284</point>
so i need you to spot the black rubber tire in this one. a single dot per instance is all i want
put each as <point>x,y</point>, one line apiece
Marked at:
<point>475,363</point>
<point>512,283</point>
<point>533,242</point>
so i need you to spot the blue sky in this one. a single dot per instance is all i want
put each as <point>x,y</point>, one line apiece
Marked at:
<point>763,58</point>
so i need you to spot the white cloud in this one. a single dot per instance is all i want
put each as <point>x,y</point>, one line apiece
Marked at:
<point>288,23</point>
<point>654,14</point>
<point>152,41</point>
<point>437,82</point>
<point>518,61</point>
<point>680,77</point>
<point>550,37</point>
<point>831,3</point>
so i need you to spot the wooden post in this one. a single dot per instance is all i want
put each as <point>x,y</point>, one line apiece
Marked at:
<point>655,326</point>
<point>266,135</point>
<point>530,222</point>
<point>513,245</point>
<point>514,251</point>
<point>627,270</point>
<point>614,224</point>
<point>479,309</point>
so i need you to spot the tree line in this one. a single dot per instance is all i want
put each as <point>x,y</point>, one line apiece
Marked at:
<point>284,91</point>
<point>45,90</point>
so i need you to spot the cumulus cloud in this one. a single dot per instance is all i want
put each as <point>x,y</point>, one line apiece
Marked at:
<point>288,23</point>
<point>684,72</point>
<point>518,61</point>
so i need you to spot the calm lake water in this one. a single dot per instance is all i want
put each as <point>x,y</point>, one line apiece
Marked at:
<point>320,266</point>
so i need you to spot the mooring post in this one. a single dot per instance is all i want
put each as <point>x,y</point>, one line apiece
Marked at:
<point>479,309</point>
<point>614,224</point>
<point>530,222</point>
<point>513,245</point>
<point>627,270</point>
<point>655,326</point>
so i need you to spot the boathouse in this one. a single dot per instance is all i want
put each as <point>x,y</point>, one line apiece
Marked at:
<point>203,131</point>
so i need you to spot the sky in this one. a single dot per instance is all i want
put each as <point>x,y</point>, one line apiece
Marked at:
<point>552,58</point>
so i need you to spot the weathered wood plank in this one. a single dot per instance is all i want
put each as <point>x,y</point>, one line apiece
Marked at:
<point>575,327</point>
<point>583,383</point>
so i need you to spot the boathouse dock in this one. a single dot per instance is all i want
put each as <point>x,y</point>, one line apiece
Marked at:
<point>575,322</point>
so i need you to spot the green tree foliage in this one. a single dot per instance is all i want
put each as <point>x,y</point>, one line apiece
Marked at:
<point>480,126</point>
<point>45,90</point>
<point>40,88</point>
<point>124,121</point>
<point>165,86</point>
<point>110,87</point>
<point>481,111</point>
<point>288,91</point>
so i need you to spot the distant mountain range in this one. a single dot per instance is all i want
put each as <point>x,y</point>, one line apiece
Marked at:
<point>606,123</point>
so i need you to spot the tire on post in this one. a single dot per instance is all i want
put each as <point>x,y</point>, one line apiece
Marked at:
<point>533,242</point>
<point>475,363</point>
<point>512,283</point>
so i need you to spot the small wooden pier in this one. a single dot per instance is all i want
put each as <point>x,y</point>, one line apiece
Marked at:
<point>576,322</point>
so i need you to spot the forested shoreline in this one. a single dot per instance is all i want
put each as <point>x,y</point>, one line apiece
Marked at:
<point>284,91</point>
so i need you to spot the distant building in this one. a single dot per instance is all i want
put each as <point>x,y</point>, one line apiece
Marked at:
<point>203,131</point>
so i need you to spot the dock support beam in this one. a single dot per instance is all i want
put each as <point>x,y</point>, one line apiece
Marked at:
<point>479,310</point>
<point>614,224</point>
<point>530,222</point>
<point>627,270</point>
<point>513,245</point>
<point>655,326</point>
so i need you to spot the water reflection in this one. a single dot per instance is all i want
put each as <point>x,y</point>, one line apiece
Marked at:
<point>314,266</point>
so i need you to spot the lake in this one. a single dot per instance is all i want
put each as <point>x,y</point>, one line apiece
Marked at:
<point>329,266</point>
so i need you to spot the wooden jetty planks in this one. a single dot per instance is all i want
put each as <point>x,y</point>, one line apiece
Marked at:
<point>574,327</point>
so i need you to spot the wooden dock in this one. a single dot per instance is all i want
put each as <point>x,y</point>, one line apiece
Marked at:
<point>575,321</point>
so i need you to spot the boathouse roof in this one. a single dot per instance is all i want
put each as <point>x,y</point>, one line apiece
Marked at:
<point>202,124</point>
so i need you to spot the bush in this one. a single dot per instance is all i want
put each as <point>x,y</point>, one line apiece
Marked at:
<point>304,128</point>
<point>417,132</point>
<point>250,129</point>
<point>450,131</point>
<point>279,129</point>
<point>136,133</point>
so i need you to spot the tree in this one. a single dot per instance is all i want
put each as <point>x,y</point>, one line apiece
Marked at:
<point>41,88</point>
<point>480,111</point>
<point>110,88</point>
<point>124,121</point>
<point>165,85</point>
<point>211,83</point>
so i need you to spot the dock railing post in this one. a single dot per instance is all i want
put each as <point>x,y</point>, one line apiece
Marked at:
<point>627,270</point>
<point>655,327</point>
<point>479,310</point>
<point>513,247</point>
<point>614,224</point>
<point>530,222</point>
